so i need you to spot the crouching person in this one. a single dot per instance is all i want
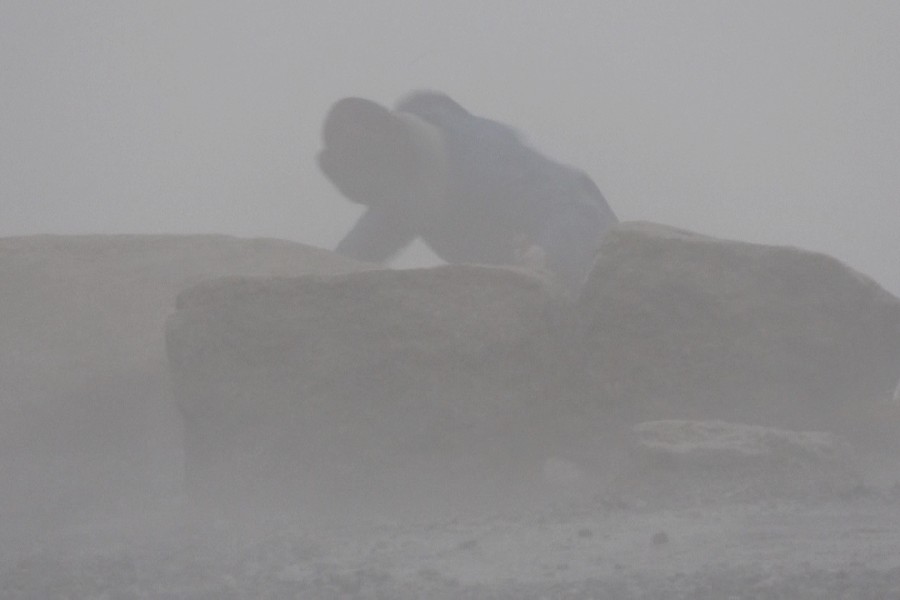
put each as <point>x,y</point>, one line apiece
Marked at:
<point>468,186</point>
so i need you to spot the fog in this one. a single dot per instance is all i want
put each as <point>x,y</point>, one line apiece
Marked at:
<point>195,416</point>
<point>767,121</point>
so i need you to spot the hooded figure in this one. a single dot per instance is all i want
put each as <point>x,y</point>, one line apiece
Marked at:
<point>469,187</point>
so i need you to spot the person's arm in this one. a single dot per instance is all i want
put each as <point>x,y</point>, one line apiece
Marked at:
<point>570,241</point>
<point>378,235</point>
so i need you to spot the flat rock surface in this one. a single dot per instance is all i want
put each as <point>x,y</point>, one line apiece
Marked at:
<point>679,461</point>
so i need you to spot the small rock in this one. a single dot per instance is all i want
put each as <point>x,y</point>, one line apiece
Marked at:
<point>660,537</point>
<point>681,462</point>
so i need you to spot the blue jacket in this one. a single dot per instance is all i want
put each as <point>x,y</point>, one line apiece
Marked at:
<point>499,200</point>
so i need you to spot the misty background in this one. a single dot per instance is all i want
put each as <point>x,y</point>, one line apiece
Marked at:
<point>771,121</point>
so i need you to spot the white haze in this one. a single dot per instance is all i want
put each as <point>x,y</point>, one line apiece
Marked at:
<point>767,121</point>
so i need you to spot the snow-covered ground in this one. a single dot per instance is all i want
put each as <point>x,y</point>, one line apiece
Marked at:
<point>839,548</point>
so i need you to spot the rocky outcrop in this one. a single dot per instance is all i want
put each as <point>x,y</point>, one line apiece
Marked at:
<point>382,386</point>
<point>86,408</point>
<point>697,462</point>
<point>677,325</point>
<point>428,382</point>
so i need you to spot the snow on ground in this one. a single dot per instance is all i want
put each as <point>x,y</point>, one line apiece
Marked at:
<point>832,549</point>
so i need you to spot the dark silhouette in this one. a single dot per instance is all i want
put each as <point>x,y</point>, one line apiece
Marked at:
<point>469,187</point>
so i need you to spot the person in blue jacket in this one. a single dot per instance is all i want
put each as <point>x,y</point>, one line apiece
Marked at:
<point>468,186</point>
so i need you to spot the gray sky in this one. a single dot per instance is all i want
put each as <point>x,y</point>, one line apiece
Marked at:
<point>772,121</point>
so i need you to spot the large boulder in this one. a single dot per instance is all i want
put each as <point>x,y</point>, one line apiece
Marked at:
<point>673,324</point>
<point>86,409</point>
<point>365,388</point>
